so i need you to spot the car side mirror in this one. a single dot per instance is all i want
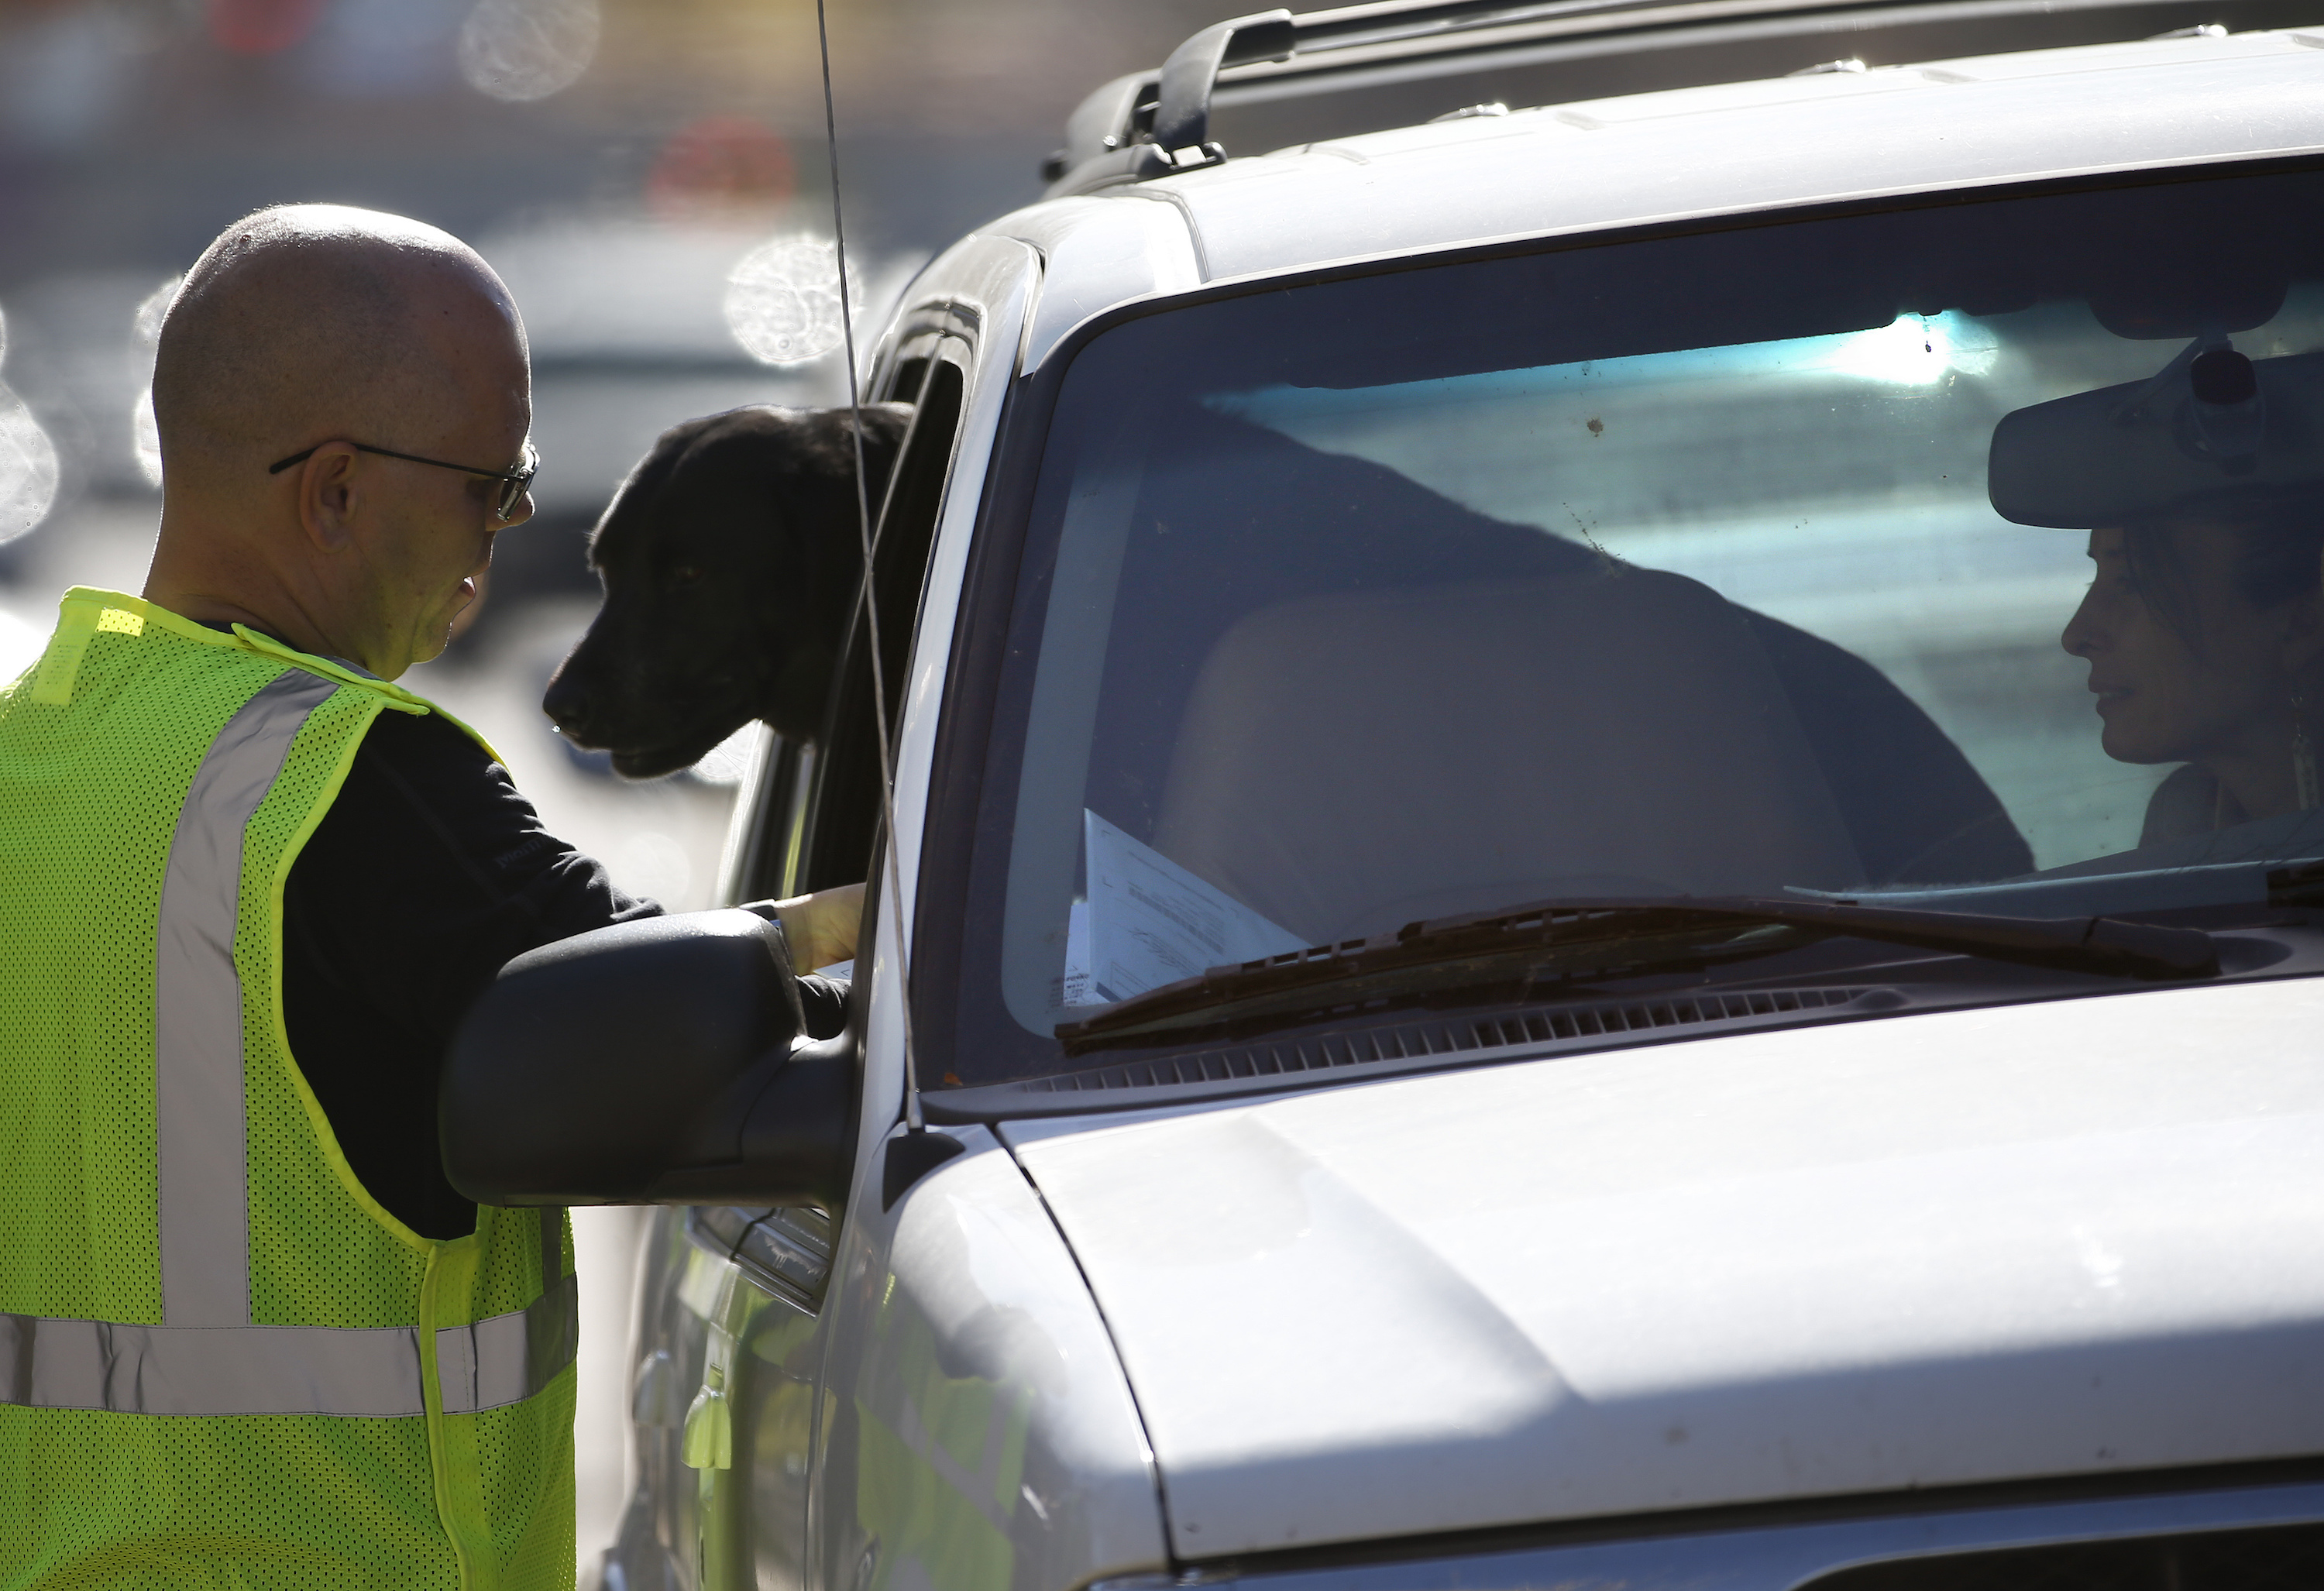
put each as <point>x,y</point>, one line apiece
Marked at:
<point>660,1061</point>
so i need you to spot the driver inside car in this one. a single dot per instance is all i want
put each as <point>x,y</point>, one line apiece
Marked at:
<point>2202,491</point>
<point>2204,639</point>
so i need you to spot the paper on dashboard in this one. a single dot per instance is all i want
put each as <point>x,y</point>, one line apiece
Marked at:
<point>1146,922</point>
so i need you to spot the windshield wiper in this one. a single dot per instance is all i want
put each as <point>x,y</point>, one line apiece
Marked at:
<point>1559,940</point>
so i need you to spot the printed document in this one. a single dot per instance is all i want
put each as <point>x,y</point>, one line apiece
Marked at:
<point>1148,921</point>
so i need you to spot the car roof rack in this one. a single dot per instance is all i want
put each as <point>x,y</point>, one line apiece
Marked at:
<point>1152,123</point>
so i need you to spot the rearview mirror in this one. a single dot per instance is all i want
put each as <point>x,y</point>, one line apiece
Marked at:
<point>658,1062</point>
<point>2212,431</point>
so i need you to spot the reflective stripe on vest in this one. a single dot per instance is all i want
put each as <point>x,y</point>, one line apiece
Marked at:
<point>355,1371</point>
<point>207,1357</point>
<point>507,1358</point>
<point>204,1194</point>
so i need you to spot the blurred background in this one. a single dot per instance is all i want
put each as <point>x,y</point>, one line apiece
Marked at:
<point>617,161</point>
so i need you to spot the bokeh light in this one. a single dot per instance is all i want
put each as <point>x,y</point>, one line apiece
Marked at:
<point>525,50</point>
<point>28,463</point>
<point>262,27</point>
<point>782,299</point>
<point>722,168</point>
<point>28,469</point>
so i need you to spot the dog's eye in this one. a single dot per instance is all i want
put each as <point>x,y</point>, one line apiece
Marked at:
<point>684,573</point>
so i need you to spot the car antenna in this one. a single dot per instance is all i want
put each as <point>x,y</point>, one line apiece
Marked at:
<point>894,891</point>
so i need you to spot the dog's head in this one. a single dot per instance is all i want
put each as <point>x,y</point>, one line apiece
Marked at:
<point>730,558</point>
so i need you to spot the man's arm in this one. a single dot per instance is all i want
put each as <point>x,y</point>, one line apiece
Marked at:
<point>428,873</point>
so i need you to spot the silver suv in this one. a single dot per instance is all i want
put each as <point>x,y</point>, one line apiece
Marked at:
<point>1606,850</point>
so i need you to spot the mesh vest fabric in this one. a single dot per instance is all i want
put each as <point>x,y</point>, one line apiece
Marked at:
<point>470,1486</point>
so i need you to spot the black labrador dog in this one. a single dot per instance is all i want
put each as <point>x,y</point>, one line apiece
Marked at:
<point>731,558</point>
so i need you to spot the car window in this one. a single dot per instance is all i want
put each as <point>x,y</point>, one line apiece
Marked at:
<point>815,807</point>
<point>1960,556</point>
<point>844,816</point>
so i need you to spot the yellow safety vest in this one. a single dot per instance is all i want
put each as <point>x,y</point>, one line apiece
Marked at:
<point>221,1363</point>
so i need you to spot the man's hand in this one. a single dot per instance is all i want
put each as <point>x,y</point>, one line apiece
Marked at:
<point>822,926</point>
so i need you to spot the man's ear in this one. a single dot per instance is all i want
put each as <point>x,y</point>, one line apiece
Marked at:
<point>331,495</point>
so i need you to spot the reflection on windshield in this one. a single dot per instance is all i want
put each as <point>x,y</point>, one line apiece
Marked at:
<point>1397,599</point>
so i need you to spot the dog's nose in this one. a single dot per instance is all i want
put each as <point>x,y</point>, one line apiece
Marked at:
<point>568,704</point>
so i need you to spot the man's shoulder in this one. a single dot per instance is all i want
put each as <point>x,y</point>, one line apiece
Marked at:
<point>426,766</point>
<point>426,809</point>
<point>422,740</point>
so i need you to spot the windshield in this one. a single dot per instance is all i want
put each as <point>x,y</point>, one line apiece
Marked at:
<point>1962,558</point>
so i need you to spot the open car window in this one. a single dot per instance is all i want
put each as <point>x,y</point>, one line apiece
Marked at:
<point>1962,556</point>
<point>813,807</point>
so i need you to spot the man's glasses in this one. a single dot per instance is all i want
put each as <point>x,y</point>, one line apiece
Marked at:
<point>514,484</point>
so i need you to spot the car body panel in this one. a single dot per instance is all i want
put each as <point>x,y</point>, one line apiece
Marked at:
<point>1724,150</point>
<point>1098,253</point>
<point>978,1432</point>
<point>989,284</point>
<point>958,1347</point>
<point>1759,1556</point>
<point>984,286</point>
<point>1923,1251</point>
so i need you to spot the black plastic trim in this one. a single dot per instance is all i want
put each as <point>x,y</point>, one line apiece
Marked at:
<point>2297,1476</point>
<point>1362,49</point>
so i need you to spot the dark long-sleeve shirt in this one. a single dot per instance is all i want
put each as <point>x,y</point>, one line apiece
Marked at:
<point>427,874</point>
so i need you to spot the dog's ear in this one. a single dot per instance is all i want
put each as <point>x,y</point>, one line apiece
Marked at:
<point>884,425</point>
<point>632,499</point>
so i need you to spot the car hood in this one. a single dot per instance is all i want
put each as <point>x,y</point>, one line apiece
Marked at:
<point>1918,1251</point>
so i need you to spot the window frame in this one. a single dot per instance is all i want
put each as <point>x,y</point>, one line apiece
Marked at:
<point>780,816</point>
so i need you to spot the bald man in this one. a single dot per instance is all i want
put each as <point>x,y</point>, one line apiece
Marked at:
<point>249,1333</point>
